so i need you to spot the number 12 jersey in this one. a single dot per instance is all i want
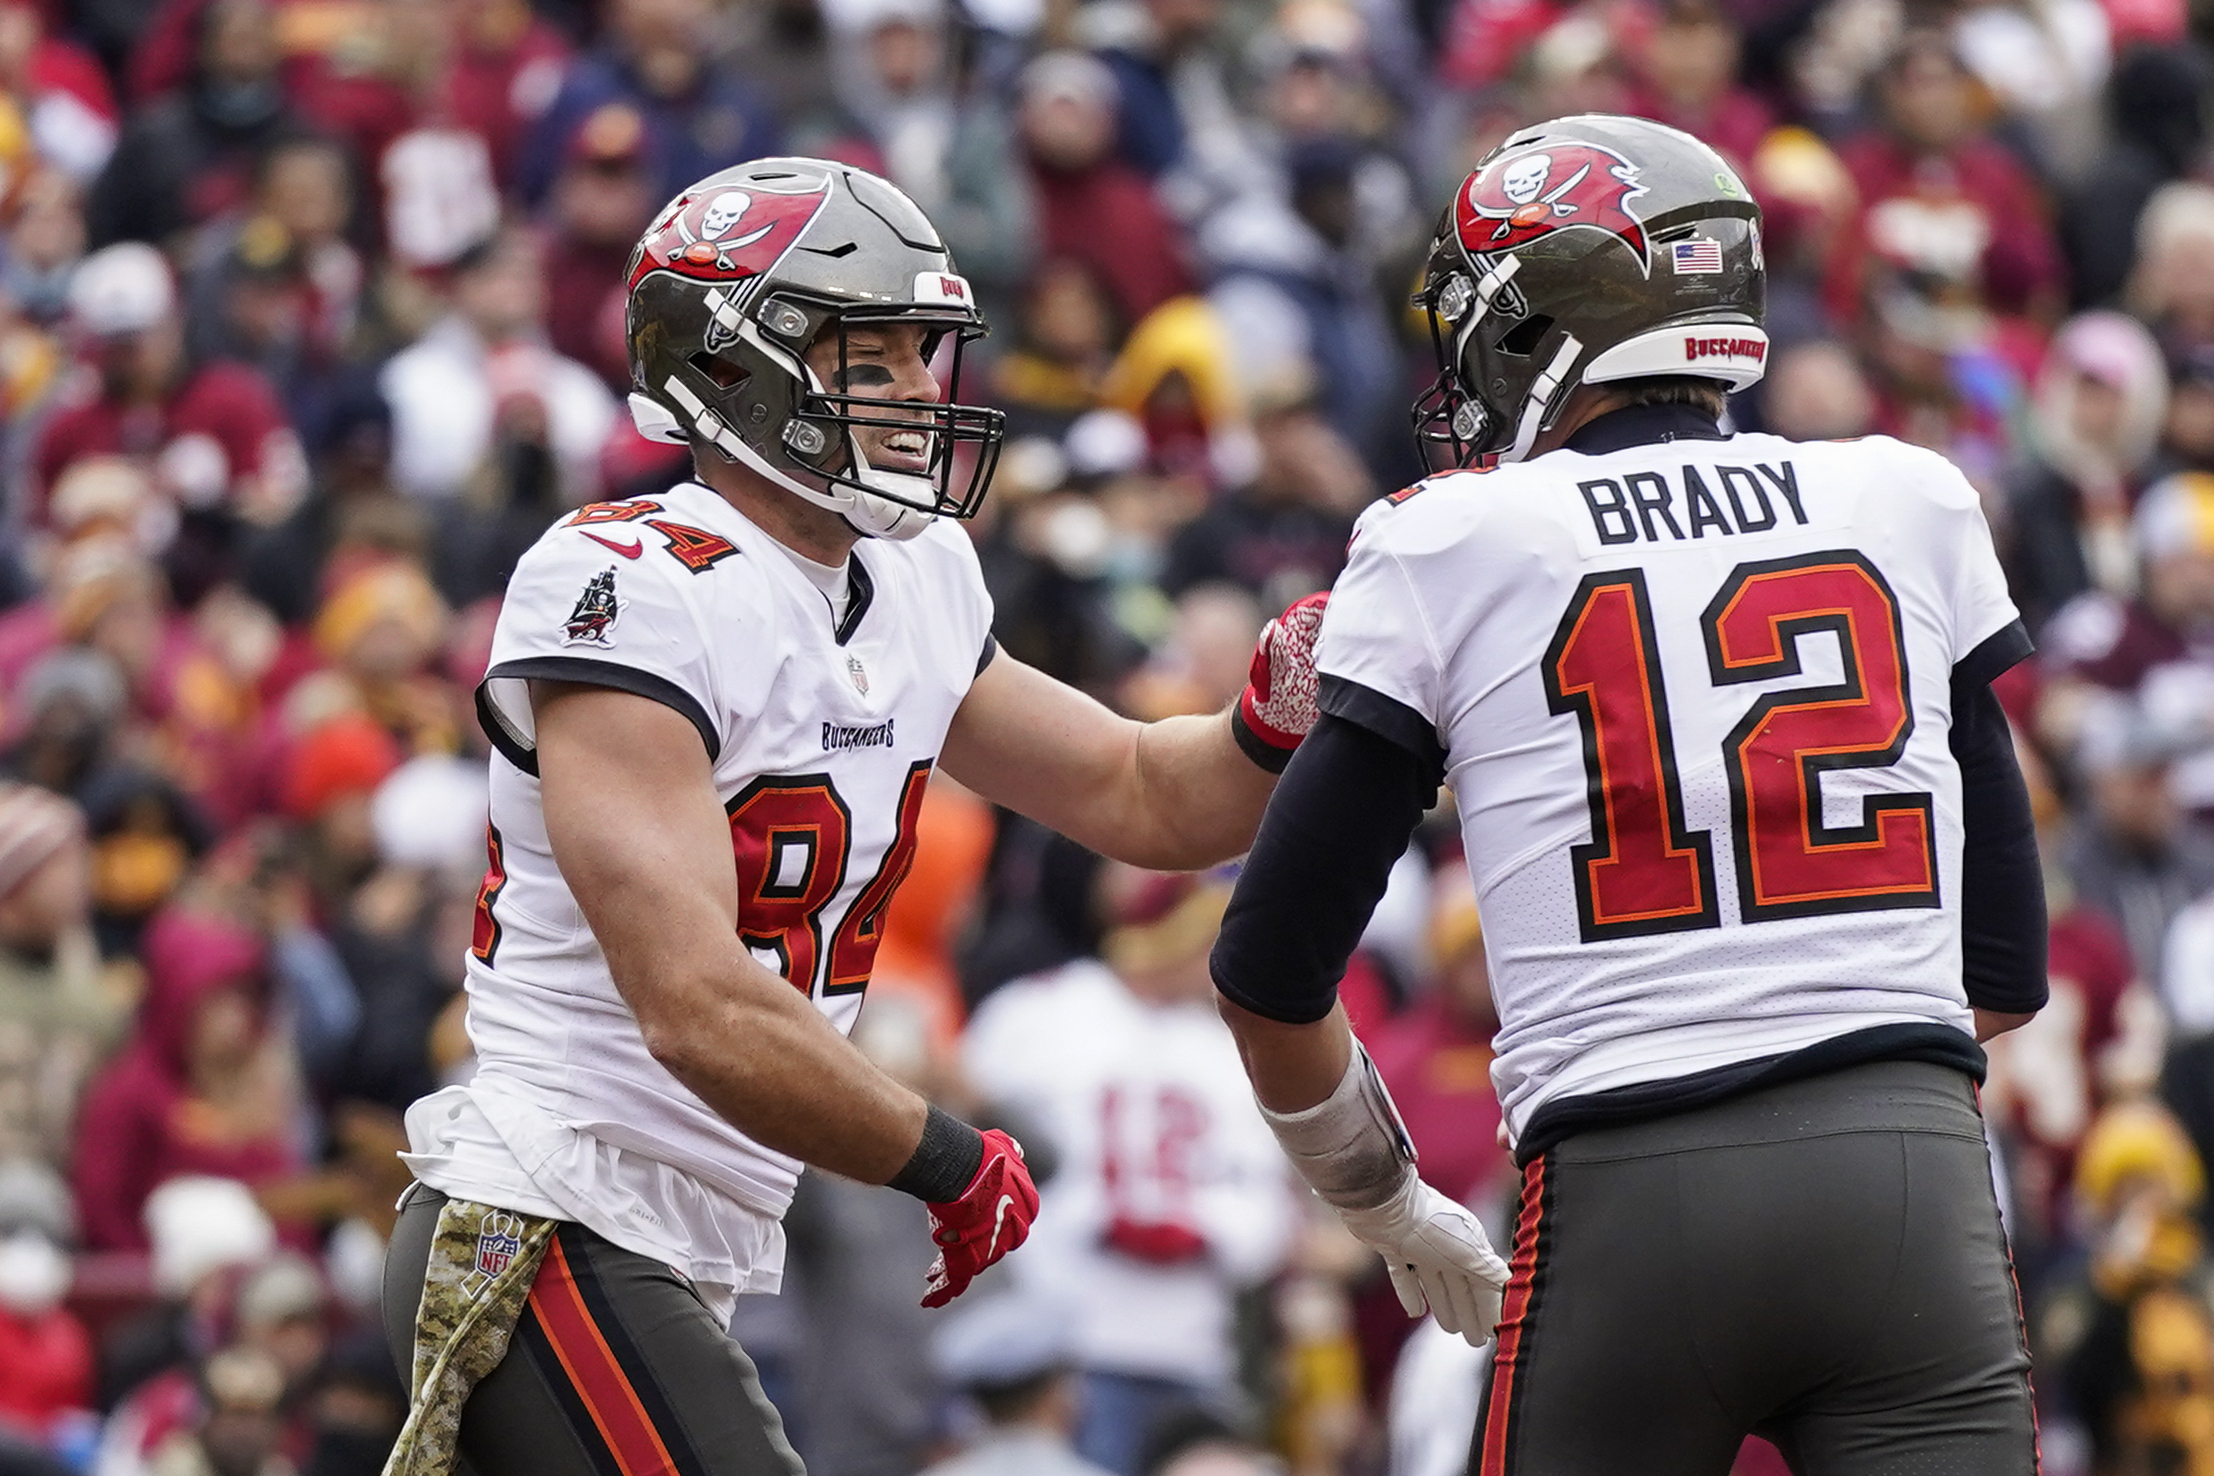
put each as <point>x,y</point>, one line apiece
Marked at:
<point>1693,700</point>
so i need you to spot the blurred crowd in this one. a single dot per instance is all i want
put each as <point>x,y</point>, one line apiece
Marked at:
<point>311,321</point>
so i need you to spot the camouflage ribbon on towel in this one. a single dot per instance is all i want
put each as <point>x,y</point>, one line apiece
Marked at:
<point>482,1263</point>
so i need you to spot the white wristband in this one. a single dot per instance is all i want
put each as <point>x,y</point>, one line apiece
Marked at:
<point>1351,1147</point>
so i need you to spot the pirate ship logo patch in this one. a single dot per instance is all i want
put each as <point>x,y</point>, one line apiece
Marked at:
<point>593,618</point>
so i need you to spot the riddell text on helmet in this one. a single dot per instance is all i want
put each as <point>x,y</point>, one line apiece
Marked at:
<point>1696,349</point>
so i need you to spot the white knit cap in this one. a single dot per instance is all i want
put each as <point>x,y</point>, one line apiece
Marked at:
<point>200,1225</point>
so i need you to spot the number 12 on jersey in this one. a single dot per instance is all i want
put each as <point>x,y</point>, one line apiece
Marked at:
<point>1643,872</point>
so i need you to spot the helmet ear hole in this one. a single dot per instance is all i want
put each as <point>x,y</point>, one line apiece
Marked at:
<point>1523,338</point>
<point>721,372</point>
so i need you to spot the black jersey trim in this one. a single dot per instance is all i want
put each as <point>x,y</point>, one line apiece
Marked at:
<point>860,594</point>
<point>1993,656</point>
<point>1564,1117</point>
<point>1643,425</point>
<point>2003,939</point>
<point>984,657</point>
<point>584,671</point>
<point>1387,718</point>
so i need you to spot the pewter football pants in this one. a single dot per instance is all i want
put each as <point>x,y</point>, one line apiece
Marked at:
<point>1819,1263</point>
<point>616,1369</point>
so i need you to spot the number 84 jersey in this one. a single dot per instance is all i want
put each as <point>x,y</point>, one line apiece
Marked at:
<point>1692,699</point>
<point>822,731</point>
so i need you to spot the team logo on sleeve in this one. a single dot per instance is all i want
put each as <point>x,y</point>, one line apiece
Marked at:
<point>594,616</point>
<point>1553,186</point>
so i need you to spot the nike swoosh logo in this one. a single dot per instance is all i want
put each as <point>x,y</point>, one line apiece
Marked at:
<point>999,1218</point>
<point>631,551</point>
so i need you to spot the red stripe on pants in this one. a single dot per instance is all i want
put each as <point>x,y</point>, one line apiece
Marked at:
<point>1506,1358</point>
<point>598,1379</point>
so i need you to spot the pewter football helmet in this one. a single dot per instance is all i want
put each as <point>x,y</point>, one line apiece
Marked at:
<point>1584,250</point>
<point>740,274</point>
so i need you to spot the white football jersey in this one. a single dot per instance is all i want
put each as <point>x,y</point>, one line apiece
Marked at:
<point>822,733</point>
<point>1693,701</point>
<point>1151,1117</point>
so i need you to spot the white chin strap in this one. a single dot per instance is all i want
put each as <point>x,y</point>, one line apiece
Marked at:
<point>1537,404</point>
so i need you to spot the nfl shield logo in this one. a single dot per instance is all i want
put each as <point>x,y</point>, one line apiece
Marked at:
<point>859,673</point>
<point>499,1237</point>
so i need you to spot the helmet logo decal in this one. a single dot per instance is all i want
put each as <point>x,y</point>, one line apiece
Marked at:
<point>1519,197</point>
<point>729,235</point>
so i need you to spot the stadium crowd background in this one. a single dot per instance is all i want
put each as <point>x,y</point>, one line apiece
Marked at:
<point>310,321</point>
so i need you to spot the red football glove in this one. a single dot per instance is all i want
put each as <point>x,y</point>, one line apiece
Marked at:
<point>1278,704</point>
<point>991,1218</point>
<point>1157,1242</point>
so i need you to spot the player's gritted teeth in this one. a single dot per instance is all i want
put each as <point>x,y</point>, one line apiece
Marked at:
<point>902,450</point>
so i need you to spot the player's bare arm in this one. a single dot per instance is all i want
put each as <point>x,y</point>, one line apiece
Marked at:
<point>1178,794</point>
<point>1173,795</point>
<point>642,839</point>
<point>635,825</point>
<point>1292,1065</point>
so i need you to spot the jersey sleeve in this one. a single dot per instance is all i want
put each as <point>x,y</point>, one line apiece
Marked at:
<point>583,609</point>
<point>968,594</point>
<point>1988,634</point>
<point>1378,659</point>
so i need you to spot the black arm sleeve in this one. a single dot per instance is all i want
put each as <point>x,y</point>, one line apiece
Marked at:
<point>2002,887</point>
<point>1340,818</point>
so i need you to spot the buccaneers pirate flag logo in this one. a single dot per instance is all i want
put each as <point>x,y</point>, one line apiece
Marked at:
<point>728,235</point>
<point>1557,185</point>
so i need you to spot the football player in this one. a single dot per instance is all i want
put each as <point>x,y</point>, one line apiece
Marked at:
<point>1754,856</point>
<point>715,711</point>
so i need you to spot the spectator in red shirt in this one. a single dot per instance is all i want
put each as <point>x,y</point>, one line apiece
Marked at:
<point>506,69</point>
<point>45,1352</point>
<point>1091,206</point>
<point>603,197</point>
<point>202,1088</point>
<point>214,435</point>
<point>1940,200</point>
<point>62,92</point>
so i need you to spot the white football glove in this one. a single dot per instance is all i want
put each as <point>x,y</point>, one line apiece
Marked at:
<point>1438,1256</point>
<point>1353,1150</point>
